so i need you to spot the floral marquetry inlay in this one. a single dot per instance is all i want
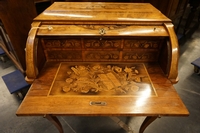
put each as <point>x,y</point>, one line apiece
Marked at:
<point>102,49</point>
<point>101,79</point>
<point>143,56</point>
<point>66,43</point>
<point>62,55</point>
<point>101,55</point>
<point>104,43</point>
<point>146,44</point>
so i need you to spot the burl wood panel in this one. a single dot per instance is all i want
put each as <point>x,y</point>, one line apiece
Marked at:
<point>17,17</point>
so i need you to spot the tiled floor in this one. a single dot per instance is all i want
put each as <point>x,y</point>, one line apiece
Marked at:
<point>188,88</point>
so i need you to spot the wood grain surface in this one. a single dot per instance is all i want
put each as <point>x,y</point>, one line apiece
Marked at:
<point>166,103</point>
<point>104,33</point>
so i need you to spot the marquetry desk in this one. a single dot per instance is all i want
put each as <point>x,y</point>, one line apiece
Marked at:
<point>102,59</point>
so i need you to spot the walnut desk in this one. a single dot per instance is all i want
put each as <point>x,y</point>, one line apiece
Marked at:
<point>102,59</point>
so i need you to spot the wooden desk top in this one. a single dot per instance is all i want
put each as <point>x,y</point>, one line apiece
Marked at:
<point>101,12</point>
<point>152,94</point>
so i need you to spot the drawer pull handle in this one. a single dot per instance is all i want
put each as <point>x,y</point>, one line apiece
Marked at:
<point>98,103</point>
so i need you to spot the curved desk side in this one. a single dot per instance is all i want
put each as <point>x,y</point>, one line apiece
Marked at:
<point>173,54</point>
<point>31,50</point>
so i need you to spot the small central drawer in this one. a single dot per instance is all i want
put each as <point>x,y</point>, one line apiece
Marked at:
<point>103,43</point>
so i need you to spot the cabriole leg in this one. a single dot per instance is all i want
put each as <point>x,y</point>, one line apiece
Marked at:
<point>147,122</point>
<point>55,121</point>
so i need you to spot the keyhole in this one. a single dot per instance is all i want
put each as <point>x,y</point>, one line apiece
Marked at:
<point>102,32</point>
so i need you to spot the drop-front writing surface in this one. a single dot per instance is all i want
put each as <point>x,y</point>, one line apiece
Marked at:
<point>101,80</point>
<point>102,59</point>
<point>157,98</point>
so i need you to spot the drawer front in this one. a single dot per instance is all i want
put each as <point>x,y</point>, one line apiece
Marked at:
<point>106,55</point>
<point>115,49</point>
<point>141,50</point>
<point>63,55</point>
<point>141,44</point>
<point>102,43</point>
<point>140,56</point>
<point>62,43</point>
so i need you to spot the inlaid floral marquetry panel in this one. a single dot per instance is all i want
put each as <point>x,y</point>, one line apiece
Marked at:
<point>145,44</point>
<point>61,55</point>
<point>62,43</point>
<point>102,49</point>
<point>140,56</point>
<point>101,55</point>
<point>101,79</point>
<point>102,44</point>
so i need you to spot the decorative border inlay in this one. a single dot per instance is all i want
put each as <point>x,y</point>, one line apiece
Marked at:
<point>105,27</point>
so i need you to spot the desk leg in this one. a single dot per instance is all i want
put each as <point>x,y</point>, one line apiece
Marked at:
<point>147,121</point>
<point>55,121</point>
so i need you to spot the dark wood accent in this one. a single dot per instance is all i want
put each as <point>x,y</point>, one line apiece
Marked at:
<point>54,120</point>
<point>17,17</point>
<point>194,4</point>
<point>147,121</point>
